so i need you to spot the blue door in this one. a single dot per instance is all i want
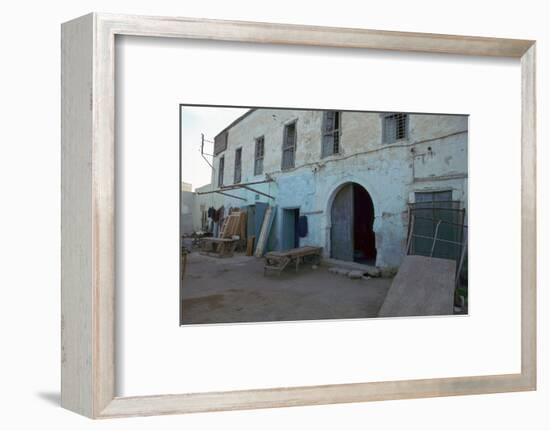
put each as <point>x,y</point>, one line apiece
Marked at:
<point>290,229</point>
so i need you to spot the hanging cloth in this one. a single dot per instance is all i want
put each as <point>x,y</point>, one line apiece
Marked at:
<point>302,226</point>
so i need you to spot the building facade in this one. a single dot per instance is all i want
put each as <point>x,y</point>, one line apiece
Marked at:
<point>351,175</point>
<point>186,187</point>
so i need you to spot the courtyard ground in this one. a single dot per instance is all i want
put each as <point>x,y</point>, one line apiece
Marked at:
<point>234,289</point>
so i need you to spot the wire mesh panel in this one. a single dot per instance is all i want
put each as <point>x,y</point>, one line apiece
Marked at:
<point>437,229</point>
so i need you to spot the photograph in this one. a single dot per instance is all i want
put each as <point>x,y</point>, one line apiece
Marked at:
<point>305,214</point>
<point>265,216</point>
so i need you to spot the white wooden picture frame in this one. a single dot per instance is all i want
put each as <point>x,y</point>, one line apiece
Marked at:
<point>88,215</point>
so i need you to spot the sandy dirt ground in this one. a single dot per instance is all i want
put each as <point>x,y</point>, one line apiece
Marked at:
<point>232,290</point>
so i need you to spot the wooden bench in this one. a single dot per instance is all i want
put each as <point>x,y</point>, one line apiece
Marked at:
<point>218,247</point>
<point>277,261</point>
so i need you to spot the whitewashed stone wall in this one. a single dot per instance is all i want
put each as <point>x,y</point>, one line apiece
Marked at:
<point>188,204</point>
<point>434,157</point>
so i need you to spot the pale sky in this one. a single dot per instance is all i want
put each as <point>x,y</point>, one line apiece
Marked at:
<point>194,121</point>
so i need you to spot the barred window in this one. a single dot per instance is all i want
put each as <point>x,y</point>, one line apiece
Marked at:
<point>331,133</point>
<point>289,146</point>
<point>259,156</point>
<point>238,165</point>
<point>220,171</point>
<point>395,127</point>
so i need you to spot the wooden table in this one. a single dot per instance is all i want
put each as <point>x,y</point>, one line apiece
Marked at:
<point>277,261</point>
<point>218,247</point>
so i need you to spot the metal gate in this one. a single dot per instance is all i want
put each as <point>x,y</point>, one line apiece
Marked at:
<point>437,229</point>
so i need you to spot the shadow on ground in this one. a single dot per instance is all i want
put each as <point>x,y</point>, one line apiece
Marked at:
<point>53,398</point>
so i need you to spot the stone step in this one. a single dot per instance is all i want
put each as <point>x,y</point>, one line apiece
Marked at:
<point>372,271</point>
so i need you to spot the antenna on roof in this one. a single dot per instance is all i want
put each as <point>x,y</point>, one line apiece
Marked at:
<point>203,154</point>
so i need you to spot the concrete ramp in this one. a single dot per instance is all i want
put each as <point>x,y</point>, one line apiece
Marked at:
<point>423,286</point>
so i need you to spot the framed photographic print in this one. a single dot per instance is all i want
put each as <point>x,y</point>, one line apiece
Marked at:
<point>265,215</point>
<point>310,209</point>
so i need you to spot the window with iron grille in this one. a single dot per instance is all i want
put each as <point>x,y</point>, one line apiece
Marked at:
<point>259,156</point>
<point>396,127</point>
<point>238,165</point>
<point>220,171</point>
<point>289,146</point>
<point>331,133</point>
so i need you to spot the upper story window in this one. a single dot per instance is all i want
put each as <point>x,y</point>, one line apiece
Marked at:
<point>289,146</point>
<point>220,171</point>
<point>331,133</point>
<point>220,143</point>
<point>259,156</point>
<point>395,127</point>
<point>437,196</point>
<point>238,165</point>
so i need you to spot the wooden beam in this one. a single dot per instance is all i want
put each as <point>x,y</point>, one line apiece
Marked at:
<point>259,192</point>
<point>232,196</point>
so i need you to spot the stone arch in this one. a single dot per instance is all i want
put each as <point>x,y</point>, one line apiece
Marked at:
<point>350,221</point>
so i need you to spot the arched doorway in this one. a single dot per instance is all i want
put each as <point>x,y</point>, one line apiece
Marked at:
<point>352,220</point>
